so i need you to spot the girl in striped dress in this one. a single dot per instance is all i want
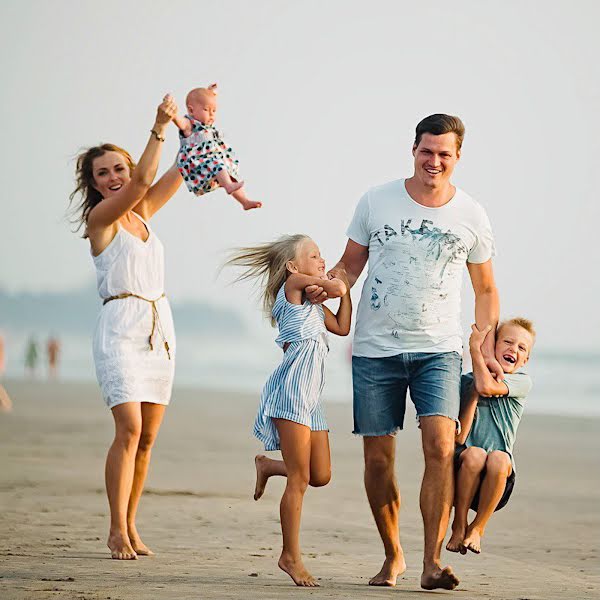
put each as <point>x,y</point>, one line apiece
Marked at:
<point>290,416</point>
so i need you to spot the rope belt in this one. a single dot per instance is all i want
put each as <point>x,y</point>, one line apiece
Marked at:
<point>156,325</point>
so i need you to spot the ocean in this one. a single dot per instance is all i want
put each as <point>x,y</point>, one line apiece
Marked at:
<point>564,383</point>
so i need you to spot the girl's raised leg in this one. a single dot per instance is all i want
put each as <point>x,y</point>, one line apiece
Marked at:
<point>228,184</point>
<point>152,415</point>
<point>320,464</point>
<point>120,463</point>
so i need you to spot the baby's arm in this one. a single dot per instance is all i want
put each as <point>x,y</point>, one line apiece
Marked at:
<point>468,404</point>
<point>296,282</point>
<point>341,321</point>
<point>183,124</point>
<point>485,383</point>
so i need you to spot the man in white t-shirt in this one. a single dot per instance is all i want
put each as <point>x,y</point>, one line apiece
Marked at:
<point>417,234</point>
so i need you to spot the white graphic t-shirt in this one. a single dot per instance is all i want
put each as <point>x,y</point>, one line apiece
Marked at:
<point>410,301</point>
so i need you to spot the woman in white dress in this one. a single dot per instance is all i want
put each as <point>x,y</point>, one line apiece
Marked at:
<point>134,340</point>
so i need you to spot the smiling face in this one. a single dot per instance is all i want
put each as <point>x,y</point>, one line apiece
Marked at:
<point>308,260</point>
<point>111,172</point>
<point>513,346</point>
<point>202,105</point>
<point>435,159</point>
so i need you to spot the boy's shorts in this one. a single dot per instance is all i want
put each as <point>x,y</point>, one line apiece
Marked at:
<point>380,386</point>
<point>508,488</point>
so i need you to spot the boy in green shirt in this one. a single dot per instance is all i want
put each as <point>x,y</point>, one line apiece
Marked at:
<point>489,415</point>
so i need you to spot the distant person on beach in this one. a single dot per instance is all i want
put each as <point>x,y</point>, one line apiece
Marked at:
<point>417,235</point>
<point>31,357</point>
<point>53,353</point>
<point>290,416</point>
<point>489,415</point>
<point>134,340</point>
<point>205,161</point>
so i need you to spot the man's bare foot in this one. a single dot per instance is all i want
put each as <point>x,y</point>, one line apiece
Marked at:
<point>120,547</point>
<point>262,477</point>
<point>439,578</point>
<point>250,204</point>
<point>234,186</point>
<point>455,543</point>
<point>136,542</point>
<point>390,571</point>
<point>472,540</point>
<point>296,570</point>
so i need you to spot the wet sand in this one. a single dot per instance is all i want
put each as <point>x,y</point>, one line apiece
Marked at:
<point>213,541</point>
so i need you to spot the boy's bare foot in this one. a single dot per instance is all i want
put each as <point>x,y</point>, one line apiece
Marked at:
<point>296,570</point>
<point>250,204</point>
<point>392,568</point>
<point>437,577</point>
<point>136,542</point>
<point>261,475</point>
<point>120,547</point>
<point>234,186</point>
<point>472,540</point>
<point>455,543</point>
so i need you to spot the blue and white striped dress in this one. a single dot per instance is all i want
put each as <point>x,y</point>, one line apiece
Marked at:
<point>293,391</point>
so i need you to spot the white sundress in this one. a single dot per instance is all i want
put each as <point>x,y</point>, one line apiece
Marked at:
<point>130,366</point>
<point>293,391</point>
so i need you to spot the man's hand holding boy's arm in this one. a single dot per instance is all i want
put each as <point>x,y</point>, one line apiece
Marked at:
<point>485,383</point>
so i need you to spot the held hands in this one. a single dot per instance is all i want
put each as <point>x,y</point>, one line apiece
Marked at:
<point>476,342</point>
<point>166,110</point>
<point>317,295</point>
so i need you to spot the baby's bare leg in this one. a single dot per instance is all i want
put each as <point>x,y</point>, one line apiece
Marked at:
<point>247,204</point>
<point>228,184</point>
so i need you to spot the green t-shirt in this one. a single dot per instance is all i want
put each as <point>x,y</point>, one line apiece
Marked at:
<point>497,419</point>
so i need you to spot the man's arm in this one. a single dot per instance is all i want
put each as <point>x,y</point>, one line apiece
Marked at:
<point>487,310</point>
<point>485,384</point>
<point>353,262</point>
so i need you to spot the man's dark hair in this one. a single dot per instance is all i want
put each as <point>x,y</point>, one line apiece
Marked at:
<point>438,125</point>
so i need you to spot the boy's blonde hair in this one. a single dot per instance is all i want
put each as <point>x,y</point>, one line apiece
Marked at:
<point>267,263</point>
<point>526,324</point>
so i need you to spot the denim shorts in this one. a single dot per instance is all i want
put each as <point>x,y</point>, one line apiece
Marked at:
<point>380,386</point>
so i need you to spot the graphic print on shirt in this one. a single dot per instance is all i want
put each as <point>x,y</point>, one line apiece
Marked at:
<point>417,263</point>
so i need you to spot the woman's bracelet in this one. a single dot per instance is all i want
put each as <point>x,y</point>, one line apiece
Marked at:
<point>160,138</point>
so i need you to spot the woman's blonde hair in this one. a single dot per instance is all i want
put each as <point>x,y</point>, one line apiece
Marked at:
<point>267,263</point>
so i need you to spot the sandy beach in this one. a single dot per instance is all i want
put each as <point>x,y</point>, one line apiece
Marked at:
<point>213,541</point>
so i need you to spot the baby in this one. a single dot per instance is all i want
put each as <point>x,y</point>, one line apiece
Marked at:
<point>205,161</point>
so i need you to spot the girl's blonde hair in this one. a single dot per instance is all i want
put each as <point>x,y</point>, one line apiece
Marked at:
<point>267,263</point>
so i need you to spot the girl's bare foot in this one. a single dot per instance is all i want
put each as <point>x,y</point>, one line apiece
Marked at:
<point>472,540</point>
<point>455,543</point>
<point>120,547</point>
<point>261,475</point>
<point>392,568</point>
<point>296,570</point>
<point>250,204</point>
<point>136,542</point>
<point>234,186</point>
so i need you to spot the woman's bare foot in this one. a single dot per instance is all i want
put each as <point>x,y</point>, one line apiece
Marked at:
<point>437,577</point>
<point>296,570</point>
<point>455,543</point>
<point>250,204</point>
<point>136,542</point>
<point>120,547</point>
<point>260,461</point>
<point>472,540</point>
<point>234,186</point>
<point>392,568</point>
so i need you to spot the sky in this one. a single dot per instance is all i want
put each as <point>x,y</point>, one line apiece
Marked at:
<point>320,100</point>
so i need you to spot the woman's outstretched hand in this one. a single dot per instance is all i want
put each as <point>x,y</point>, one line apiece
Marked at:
<point>166,110</point>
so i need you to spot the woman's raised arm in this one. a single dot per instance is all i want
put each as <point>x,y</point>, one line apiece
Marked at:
<point>107,212</point>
